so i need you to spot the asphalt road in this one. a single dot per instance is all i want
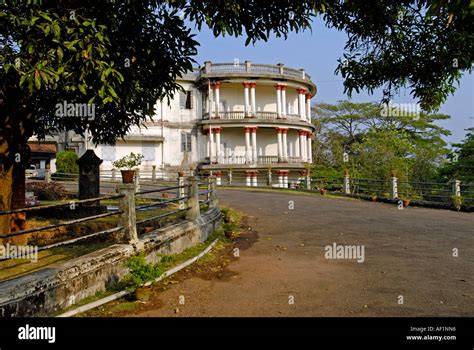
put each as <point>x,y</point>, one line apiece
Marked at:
<point>410,267</point>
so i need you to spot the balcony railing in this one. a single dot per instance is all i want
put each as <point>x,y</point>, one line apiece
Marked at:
<point>249,67</point>
<point>259,116</point>
<point>261,160</point>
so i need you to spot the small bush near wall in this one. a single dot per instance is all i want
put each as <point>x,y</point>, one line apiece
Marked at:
<point>66,162</point>
<point>47,191</point>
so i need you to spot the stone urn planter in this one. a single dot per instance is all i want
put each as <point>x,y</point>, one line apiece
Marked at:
<point>127,176</point>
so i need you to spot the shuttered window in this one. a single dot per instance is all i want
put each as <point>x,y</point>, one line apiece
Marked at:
<point>148,150</point>
<point>185,142</point>
<point>186,100</point>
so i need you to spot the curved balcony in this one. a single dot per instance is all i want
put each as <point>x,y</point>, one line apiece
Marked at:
<point>255,70</point>
<point>273,117</point>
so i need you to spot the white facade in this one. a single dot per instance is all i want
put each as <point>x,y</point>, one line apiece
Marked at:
<point>248,116</point>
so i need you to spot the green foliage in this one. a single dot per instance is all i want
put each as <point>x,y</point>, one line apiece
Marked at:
<point>130,161</point>
<point>66,162</point>
<point>461,162</point>
<point>140,272</point>
<point>376,145</point>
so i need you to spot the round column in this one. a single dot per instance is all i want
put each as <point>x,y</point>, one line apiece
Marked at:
<point>247,144</point>
<point>254,145</point>
<point>246,86</point>
<point>285,145</point>
<point>253,102</point>
<point>280,146</point>
<point>278,95</point>
<point>218,144</point>
<point>283,100</point>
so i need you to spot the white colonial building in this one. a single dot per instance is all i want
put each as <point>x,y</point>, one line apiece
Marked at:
<point>252,120</point>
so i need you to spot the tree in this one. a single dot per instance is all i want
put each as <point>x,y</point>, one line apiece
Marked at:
<point>66,163</point>
<point>111,60</point>
<point>409,143</point>
<point>461,164</point>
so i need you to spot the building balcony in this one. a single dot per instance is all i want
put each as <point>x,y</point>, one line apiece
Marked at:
<point>254,70</point>
<point>262,162</point>
<point>259,117</point>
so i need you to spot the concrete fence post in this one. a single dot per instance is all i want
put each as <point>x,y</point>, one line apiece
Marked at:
<point>47,175</point>
<point>208,195</point>
<point>153,174</point>
<point>127,218</point>
<point>347,184</point>
<point>181,192</point>
<point>229,178</point>
<point>269,178</point>
<point>114,174</point>
<point>213,203</point>
<point>308,181</point>
<point>193,212</point>
<point>137,180</point>
<point>394,187</point>
<point>457,188</point>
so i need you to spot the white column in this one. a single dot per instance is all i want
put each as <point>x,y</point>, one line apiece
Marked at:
<point>254,145</point>
<point>211,145</point>
<point>253,99</point>
<point>211,101</point>
<point>248,179</point>
<point>247,145</point>
<point>280,146</point>
<point>285,144</point>
<point>305,147</point>
<point>218,144</point>
<point>218,175</point>
<point>254,179</point>
<point>308,106</point>
<point>285,179</point>
<point>208,143</point>
<point>278,92</point>
<point>302,136</point>
<point>283,101</point>
<point>309,153</point>
<point>246,98</point>
<point>280,179</point>
<point>217,88</point>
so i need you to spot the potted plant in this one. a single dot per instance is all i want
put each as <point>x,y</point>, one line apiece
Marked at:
<point>322,188</point>
<point>129,163</point>
<point>457,202</point>
<point>406,202</point>
<point>373,197</point>
<point>229,229</point>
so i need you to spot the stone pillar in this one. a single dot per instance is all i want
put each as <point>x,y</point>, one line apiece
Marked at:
<point>301,105</point>
<point>280,179</point>
<point>269,178</point>
<point>285,145</point>
<point>211,145</point>
<point>280,144</point>
<point>302,134</point>
<point>211,101</point>
<point>278,95</point>
<point>254,145</point>
<point>193,212</point>
<point>309,148</point>
<point>253,100</point>
<point>248,178</point>
<point>285,178</point>
<point>89,176</point>
<point>208,143</point>
<point>457,188</point>
<point>229,177</point>
<point>213,203</point>
<point>218,145</point>
<point>394,187</point>
<point>283,100</point>
<point>181,190</point>
<point>217,86</point>
<point>246,99</point>
<point>218,178</point>
<point>153,173</point>
<point>137,180</point>
<point>127,218</point>
<point>114,174</point>
<point>308,106</point>
<point>308,180</point>
<point>47,174</point>
<point>247,145</point>
<point>255,178</point>
<point>347,184</point>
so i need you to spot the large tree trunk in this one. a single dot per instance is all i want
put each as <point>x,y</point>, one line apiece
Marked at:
<point>6,182</point>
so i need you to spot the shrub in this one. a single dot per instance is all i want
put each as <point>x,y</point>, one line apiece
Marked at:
<point>140,272</point>
<point>47,191</point>
<point>66,162</point>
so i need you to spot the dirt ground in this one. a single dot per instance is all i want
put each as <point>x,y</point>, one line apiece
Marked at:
<point>409,267</point>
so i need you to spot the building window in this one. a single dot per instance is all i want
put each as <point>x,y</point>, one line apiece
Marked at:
<point>108,153</point>
<point>186,99</point>
<point>148,150</point>
<point>185,142</point>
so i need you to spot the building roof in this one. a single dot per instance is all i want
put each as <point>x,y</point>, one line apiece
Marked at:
<point>36,147</point>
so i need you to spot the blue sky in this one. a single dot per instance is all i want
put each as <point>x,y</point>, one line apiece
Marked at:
<point>317,53</point>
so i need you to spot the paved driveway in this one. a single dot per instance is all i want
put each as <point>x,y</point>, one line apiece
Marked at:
<point>408,268</point>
